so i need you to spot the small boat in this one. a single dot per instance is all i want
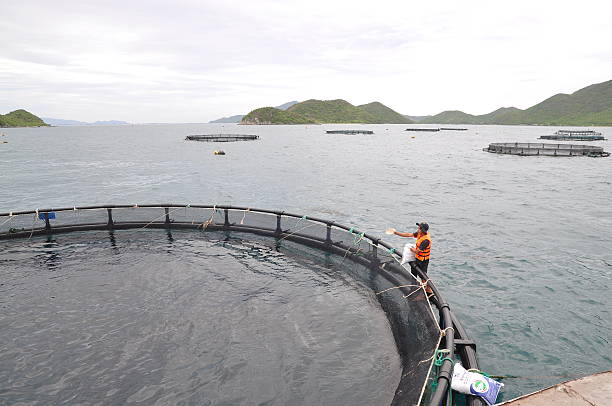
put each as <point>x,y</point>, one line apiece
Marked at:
<point>219,152</point>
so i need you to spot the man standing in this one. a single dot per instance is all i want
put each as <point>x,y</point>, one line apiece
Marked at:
<point>422,248</point>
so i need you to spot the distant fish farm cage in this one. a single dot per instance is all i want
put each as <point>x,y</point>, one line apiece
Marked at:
<point>349,132</point>
<point>531,148</point>
<point>577,132</point>
<point>423,129</point>
<point>453,129</point>
<point>222,137</point>
<point>574,135</point>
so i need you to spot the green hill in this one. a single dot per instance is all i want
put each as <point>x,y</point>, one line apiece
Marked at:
<point>332,111</point>
<point>384,114</point>
<point>20,118</point>
<point>499,115</point>
<point>450,117</point>
<point>416,119</point>
<point>272,115</point>
<point>590,106</point>
<point>327,111</point>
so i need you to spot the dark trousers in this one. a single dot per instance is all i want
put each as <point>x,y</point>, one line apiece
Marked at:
<point>421,264</point>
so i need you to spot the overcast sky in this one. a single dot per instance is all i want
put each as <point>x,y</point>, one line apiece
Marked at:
<point>194,61</point>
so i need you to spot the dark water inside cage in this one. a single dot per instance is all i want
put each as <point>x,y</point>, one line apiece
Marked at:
<point>148,317</point>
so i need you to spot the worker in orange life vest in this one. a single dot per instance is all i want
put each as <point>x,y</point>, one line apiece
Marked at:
<point>422,248</point>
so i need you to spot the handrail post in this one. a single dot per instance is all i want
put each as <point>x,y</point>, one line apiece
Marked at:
<point>375,250</point>
<point>110,218</point>
<point>278,230</point>
<point>47,222</point>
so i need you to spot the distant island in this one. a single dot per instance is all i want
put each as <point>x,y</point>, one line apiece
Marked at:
<point>326,111</point>
<point>62,122</point>
<point>21,118</point>
<point>590,106</point>
<point>237,118</point>
<point>272,115</point>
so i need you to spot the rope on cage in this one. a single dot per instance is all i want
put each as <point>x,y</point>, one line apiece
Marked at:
<point>208,222</point>
<point>244,215</point>
<point>397,287</point>
<point>160,217</point>
<point>193,218</point>
<point>33,223</point>
<point>438,359</point>
<point>423,285</point>
<point>298,230</point>
<point>9,218</point>
<point>443,332</point>
<point>435,354</point>
<point>356,241</point>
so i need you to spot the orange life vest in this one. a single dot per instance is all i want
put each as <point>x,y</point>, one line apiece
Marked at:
<point>423,255</point>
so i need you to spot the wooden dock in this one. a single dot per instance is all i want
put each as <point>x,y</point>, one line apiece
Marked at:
<point>592,390</point>
<point>350,132</point>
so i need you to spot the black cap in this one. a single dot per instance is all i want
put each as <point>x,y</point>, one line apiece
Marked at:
<point>424,227</point>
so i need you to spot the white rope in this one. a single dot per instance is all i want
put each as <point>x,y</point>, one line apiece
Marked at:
<point>298,230</point>
<point>397,287</point>
<point>443,332</point>
<point>208,222</point>
<point>243,216</point>
<point>157,218</point>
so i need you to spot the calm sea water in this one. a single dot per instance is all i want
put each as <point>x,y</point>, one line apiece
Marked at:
<point>522,245</point>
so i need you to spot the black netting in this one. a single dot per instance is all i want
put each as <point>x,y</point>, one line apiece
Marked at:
<point>139,215</point>
<point>195,215</point>
<point>342,237</point>
<point>70,217</point>
<point>402,298</point>
<point>250,218</point>
<point>22,222</point>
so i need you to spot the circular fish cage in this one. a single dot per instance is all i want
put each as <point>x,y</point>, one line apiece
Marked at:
<point>424,329</point>
<point>535,149</point>
<point>222,137</point>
